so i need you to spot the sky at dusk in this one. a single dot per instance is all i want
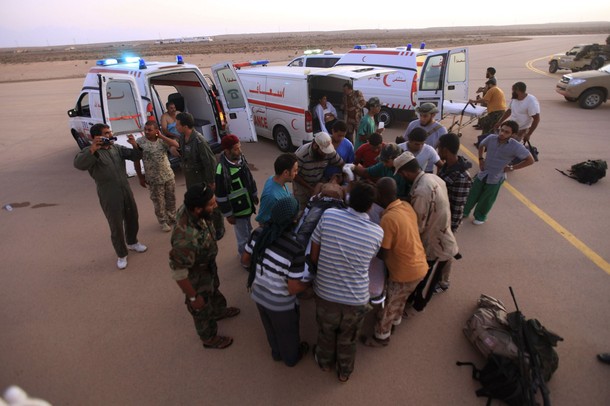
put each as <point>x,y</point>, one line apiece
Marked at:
<point>61,22</point>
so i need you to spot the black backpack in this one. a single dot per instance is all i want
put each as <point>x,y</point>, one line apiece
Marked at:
<point>588,172</point>
<point>500,379</point>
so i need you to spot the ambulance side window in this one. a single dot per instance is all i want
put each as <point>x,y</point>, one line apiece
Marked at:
<point>229,86</point>
<point>82,106</point>
<point>122,107</point>
<point>432,73</point>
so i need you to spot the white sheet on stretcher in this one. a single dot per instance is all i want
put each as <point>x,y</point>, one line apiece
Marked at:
<point>456,108</point>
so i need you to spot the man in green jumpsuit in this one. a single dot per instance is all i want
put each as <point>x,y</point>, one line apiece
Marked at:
<point>192,260</point>
<point>198,162</point>
<point>106,165</point>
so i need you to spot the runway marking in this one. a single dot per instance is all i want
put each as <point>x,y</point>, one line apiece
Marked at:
<point>571,238</point>
<point>530,65</point>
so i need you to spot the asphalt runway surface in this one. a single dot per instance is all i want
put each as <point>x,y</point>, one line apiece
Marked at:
<point>76,331</point>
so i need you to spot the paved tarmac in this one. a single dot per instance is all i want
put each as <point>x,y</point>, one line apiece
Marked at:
<point>76,331</point>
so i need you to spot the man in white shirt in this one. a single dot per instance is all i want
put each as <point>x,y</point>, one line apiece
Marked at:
<point>424,153</point>
<point>524,109</point>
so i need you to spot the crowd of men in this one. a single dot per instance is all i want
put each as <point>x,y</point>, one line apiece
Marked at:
<point>318,239</point>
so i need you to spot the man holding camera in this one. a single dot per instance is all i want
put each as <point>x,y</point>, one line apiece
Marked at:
<point>106,165</point>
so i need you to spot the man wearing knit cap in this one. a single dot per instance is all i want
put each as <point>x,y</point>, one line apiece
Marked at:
<point>236,191</point>
<point>276,262</point>
<point>313,158</point>
<point>192,260</point>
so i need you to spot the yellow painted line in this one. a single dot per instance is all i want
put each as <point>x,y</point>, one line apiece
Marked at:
<point>530,65</point>
<point>571,238</point>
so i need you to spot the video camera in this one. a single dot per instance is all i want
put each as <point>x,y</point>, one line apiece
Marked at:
<point>107,140</point>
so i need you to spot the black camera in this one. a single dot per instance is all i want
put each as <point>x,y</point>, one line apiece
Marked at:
<point>107,140</point>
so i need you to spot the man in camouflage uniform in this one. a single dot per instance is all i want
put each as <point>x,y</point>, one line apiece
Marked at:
<point>192,260</point>
<point>198,162</point>
<point>106,165</point>
<point>159,175</point>
<point>353,103</point>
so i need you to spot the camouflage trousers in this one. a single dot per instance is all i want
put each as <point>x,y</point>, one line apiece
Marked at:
<point>338,329</point>
<point>205,281</point>
<point>163,197</point>
<point>488,121</point>
<point>391,313</point>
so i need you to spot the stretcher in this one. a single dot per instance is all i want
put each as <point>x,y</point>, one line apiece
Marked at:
<point>460,109</point>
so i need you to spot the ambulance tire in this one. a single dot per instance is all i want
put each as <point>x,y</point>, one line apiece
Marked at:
<point>79,140</point>
<point>282,139</point>
<point>386,116</point>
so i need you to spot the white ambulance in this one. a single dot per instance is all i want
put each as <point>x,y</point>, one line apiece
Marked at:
<point>283,98</point>
<point>399,91</point>
<point>126,93</point>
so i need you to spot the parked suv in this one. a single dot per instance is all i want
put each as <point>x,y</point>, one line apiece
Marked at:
<point>314,58</point>
<point>580,57</point>
<point>589,89</point>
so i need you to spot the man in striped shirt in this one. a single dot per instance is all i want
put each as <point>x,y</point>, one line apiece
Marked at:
<point>313,158</point>
<point>342,246</point>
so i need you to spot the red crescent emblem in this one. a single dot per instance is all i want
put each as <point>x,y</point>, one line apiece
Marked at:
<point>385,77</point>
<point>292,124</point>
<point>364,58</point>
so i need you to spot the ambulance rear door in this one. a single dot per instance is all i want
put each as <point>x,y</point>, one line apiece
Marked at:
<point>444,76</point>
<point>237,110</point>
<point>121,107</point>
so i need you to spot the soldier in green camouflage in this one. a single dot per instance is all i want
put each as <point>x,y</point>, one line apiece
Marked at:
<point>192,260</point>
<point>198,162</point>
<point>159,175</point>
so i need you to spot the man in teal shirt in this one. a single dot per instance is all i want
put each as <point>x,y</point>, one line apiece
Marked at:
<point>286,168</point>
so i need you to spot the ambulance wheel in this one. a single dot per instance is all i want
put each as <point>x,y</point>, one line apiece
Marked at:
<point>79,140</point>
<point>282,139</point>
<point>386,116</point>
<point>553,66</point>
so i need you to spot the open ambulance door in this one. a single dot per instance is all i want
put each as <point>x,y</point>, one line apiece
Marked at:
<point>444,76</point>
<point>235,103</point>
<point>330,81</point>
<point>121,109</point>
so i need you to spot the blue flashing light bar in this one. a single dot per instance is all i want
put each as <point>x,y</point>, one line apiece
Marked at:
<point>422,45</point>
<point>263,62</point>
<point>107,62</point>
<point>131,59</point>
<point>141,64</point>
<point>179,60</point>
<point>409,46</point>
<point>365,46</point>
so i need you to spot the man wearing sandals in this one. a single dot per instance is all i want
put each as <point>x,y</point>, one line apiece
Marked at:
<point>193,263</point>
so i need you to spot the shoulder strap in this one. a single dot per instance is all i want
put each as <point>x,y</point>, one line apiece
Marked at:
<point>436,127</point>
<point>569,176</point>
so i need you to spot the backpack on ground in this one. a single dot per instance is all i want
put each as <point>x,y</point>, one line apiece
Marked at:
<point>520,353</point>
<point>488,329</point>
<point>588,172</point>
<point>500,379</point>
